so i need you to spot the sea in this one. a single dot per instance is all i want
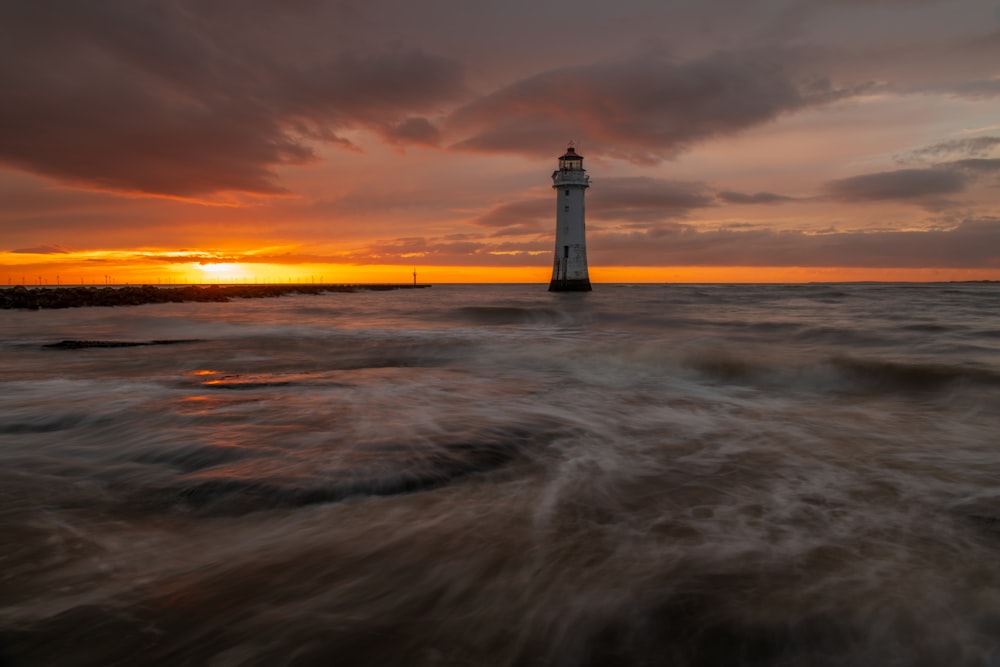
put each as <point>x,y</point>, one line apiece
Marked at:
<point>495,475</point>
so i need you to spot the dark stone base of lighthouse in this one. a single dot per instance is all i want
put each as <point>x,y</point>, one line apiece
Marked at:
<point>570,285</point>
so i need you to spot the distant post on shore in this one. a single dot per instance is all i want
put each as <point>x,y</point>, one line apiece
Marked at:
<point>569,269</point>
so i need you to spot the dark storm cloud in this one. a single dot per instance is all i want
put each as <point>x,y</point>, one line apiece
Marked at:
<point>756,198</point>
<point>644,110</point>
<point>162,98</point>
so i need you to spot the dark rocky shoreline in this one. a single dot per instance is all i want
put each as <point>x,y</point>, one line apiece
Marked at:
<point>37,298</point>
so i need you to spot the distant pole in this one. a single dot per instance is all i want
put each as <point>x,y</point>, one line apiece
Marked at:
<point>414,275</point>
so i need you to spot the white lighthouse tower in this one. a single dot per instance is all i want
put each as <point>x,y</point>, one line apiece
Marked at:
<point>570,181</point>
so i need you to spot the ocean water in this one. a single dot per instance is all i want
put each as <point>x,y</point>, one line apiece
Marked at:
<point>678,475</point>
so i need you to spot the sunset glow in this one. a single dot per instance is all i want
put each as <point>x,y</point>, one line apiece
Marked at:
<point>774,141</point>
<point>218,269</point>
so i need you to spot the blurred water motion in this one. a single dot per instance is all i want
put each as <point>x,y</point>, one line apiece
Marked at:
<point>468,475</point>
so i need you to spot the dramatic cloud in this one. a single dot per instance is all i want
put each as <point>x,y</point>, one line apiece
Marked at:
<point>901,184</point>
<point>968,146</point>
<point>978,90</point>
<point>976,166</point>
<point>644,199</point>
<point>416,131</point>
<point>389,130</point>
<point>973,244</point>
<point>519,217</point>
<point>636,199</point>
<point>42,250</point>
<point>157,98</point>
<point>411,248</point>
<point>642,110</point>
<point>926,187</point>
<point>756,198</point>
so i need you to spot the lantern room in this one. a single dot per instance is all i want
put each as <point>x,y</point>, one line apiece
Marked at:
<point>570,161</point>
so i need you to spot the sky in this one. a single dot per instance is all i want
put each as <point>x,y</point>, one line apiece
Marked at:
<point>168,141</point>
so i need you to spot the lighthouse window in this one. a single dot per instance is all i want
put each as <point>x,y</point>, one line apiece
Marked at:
<point>567,193</point>
<point>566,208</point>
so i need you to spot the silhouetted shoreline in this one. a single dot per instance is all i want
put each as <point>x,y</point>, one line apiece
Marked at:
<point>37,298</point>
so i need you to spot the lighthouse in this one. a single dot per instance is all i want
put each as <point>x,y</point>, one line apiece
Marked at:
<point>570,181</point>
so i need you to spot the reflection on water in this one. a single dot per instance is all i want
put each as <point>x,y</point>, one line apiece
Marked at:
<point>655,475</point>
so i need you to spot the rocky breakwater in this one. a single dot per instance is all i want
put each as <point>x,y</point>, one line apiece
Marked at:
<point>37,298</point>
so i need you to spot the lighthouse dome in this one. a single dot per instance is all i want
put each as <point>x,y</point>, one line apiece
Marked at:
<point>571,160</point>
